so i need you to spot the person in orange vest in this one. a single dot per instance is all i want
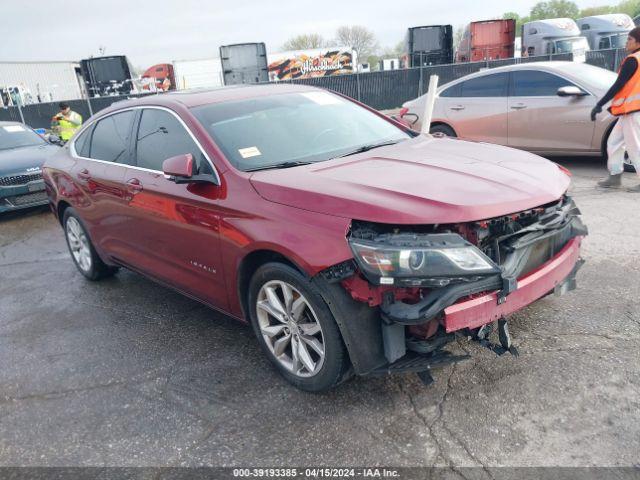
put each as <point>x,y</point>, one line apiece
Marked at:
<point>625,104</point>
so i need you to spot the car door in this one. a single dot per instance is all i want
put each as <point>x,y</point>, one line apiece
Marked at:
<point>540,120</point>
<point>174,228</point>
<point>101,152</point>
<point>477,108</point>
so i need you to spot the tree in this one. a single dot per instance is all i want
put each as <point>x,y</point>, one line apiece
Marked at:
<point>630,7</point>
<point>361,39</point>
<point>457,36</point>
<point>304,42</point>
<point>591,11</point>
<point>519,20</point>
<point>393,52</point>
<point>554,9</point>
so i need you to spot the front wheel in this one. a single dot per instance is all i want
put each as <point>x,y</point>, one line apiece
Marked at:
<point>296,329</point>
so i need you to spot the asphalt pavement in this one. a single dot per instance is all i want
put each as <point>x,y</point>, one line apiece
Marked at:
<point>125,372</point>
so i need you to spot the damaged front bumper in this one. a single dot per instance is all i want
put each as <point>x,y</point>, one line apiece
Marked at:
<point>557,275</point>
<point>540,261</point>
<point>389,329</point>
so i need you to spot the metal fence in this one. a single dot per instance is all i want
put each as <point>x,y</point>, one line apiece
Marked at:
<point>609,59</point>
<point>379,90</point>
<point>390,89</point>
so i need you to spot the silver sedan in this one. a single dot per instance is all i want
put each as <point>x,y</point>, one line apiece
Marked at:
<point>540,107</point>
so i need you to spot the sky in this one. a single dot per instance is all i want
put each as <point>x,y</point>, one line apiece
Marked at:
<point>160,31</point>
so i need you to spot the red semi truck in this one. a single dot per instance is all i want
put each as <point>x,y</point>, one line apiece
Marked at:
<point>162,74</point>
<point>487,40</point>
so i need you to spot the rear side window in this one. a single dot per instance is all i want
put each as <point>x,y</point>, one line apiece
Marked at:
<point>486,86</point>
<point>162,136</point>
<point>83,142</point>
<point>110,139</point>
<point>451,91</point>
<point>532,83</point>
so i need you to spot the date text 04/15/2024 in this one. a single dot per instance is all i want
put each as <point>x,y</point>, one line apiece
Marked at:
<point>316,472</point>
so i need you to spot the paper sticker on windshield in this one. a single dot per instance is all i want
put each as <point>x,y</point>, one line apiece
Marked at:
<point>322,98</point>
<point>249,152</point>
<point>14,128</point>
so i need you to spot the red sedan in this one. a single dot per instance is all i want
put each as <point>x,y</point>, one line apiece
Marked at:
<point>349,242</point>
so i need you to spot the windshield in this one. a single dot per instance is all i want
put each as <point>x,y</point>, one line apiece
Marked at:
<point>619,41</point>
<point>570,45</point>
<point>16,136</point>
<point>592,76</point>
<point>293,128</point>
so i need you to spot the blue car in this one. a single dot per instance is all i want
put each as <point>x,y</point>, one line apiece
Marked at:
<point>22,153</point>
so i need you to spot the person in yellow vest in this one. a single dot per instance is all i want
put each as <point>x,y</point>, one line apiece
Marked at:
<point>625,104</point>
<point>66,122</point>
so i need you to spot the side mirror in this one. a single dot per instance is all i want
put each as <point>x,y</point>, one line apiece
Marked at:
<point>182,169</point>
<point>180,166</point>
<point>571,91</point>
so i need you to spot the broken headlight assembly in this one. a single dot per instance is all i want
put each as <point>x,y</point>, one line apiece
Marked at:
<point>421,260</point>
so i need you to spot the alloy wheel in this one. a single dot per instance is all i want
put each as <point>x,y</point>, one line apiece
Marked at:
<point>78,244</point>
<point>290,328</point>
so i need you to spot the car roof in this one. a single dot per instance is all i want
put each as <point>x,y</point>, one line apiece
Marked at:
<point>7,123</point>
<point>198,97</point>
<point>567,68</point>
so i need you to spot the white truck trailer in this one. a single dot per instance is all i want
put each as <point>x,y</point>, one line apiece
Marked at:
<point>43,81</point>
<point>554,36</point>
<point>606,31</point>
<point>204,73</point>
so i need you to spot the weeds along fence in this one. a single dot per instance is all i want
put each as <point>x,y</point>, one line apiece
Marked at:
<point>380,90</point>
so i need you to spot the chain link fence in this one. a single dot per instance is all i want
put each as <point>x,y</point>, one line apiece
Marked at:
<point>380,90</point>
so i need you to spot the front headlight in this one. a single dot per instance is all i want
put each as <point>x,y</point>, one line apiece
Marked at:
<point>432,260</point>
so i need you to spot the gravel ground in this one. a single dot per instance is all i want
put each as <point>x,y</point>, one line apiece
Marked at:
<point>125,372</point>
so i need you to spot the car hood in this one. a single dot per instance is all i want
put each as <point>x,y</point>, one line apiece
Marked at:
<point>425,180</point>
<point>19,160</point>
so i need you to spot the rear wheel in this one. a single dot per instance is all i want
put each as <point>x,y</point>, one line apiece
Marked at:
<point>82,251</point>
<point>442,130</point>
<point>296,329</point>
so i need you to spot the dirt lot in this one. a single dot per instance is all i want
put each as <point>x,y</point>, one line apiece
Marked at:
<point>125,372</point>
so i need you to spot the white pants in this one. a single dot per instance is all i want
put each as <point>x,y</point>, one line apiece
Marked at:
<point>625,137</point>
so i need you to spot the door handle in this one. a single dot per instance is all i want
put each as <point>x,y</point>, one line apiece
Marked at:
<point>458,107</point>
<point>84,174</point>
<point>134,186</point>
<point>518,106</point>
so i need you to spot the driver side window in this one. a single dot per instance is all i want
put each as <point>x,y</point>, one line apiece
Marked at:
<point>160,136</point>
<point>532,83</point>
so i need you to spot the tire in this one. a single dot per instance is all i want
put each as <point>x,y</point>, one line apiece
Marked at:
<point>443,130</point>
<point>326,362</point>
<point>82,252</point>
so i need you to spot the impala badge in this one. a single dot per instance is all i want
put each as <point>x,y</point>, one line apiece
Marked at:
<point>202,266</point>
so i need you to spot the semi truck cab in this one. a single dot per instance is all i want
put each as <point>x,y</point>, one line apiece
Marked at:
<point>606,31</point>
<point>554,36</point>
